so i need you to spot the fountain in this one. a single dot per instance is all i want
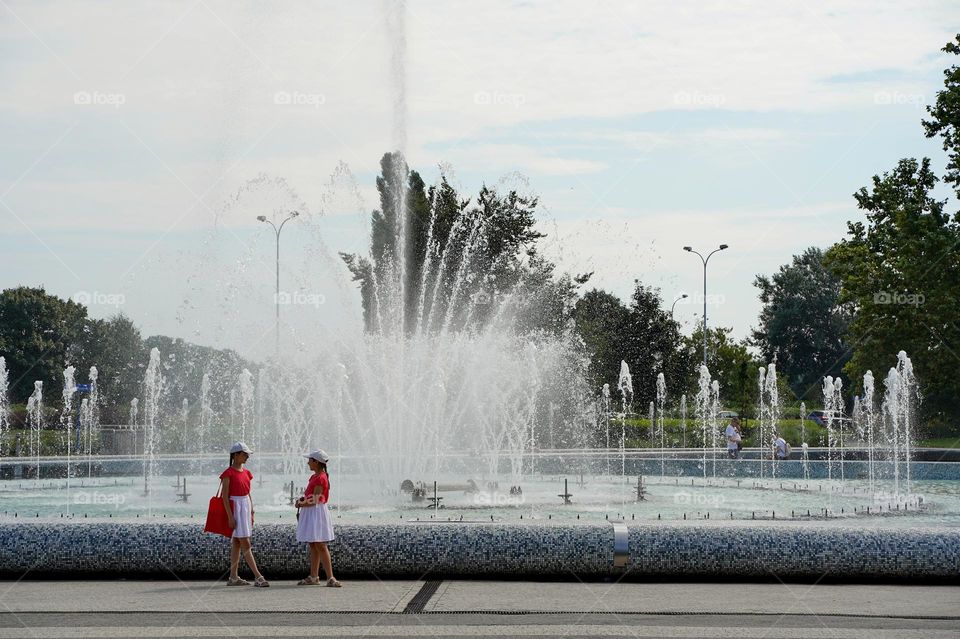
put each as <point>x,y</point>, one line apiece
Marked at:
<point>153,387</point>
<point>625,385</point>
<point>683,418</point>
<point>4,402</point>
<point>773,409</point>
<point>703,411</point>
<point>35,422</point>
<point>661,403</point>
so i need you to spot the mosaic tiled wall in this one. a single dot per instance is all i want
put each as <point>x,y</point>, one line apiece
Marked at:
<point>491,550</point>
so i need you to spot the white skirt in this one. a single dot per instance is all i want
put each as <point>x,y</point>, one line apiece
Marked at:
<point>242,516</point>
<point>314,524</point>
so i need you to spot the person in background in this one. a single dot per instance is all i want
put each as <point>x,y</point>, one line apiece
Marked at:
<point>734,438</point>
<point>781,449</point>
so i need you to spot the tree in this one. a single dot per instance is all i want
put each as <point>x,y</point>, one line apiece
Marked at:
<point>116,348</point>
<point>641,334</point>
<point>901,273</point>
<point>802,325</point>
<point>36,331</point>
<point>602,321</point>
<point>729,362</point>
<point>437,264</point>
<point>945,118</point>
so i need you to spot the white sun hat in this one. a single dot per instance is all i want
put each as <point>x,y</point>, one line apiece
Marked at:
<point>319,455</point>
<point>240,447</point>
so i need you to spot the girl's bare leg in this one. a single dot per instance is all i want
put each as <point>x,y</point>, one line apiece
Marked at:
<point>248,555</point>
<point>314,560</point>
<point>234,558</point>
<point>324,555</point>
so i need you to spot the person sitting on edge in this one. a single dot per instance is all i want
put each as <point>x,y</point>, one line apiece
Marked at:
<point>733,438</point>
<point>780,448</point>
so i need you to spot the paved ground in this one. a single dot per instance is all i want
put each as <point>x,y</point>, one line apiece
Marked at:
<point>455,608</point>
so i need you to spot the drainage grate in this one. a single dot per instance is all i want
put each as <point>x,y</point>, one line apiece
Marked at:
<point>419,602</point>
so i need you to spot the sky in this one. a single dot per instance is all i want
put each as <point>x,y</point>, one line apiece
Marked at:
<point>142,140</point>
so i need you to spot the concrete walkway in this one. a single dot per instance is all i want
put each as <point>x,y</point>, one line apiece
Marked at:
<point>476,608</point>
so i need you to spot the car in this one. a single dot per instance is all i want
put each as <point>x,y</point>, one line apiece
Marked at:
<point>727,414</point>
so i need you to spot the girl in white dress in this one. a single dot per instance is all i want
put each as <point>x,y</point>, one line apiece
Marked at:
<point>314,526</point>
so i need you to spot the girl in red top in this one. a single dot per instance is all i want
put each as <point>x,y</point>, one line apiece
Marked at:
<point>314,526</point>
<point>235,488</point>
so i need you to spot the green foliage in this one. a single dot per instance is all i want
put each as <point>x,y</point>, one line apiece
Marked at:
<point>641,334</point>
<point>729,362</point>
<point>36,331</point>
<point>449,259</point>
<point>901,272</point>
<point>945,117</point>
<point>802,326</point>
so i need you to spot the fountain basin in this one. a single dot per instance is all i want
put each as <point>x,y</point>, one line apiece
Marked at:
<point>728,550</point>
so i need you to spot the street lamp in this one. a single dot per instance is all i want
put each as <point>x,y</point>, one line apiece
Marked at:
<point>703,259</point>
<point>276,229</point>
<point>683,296</point>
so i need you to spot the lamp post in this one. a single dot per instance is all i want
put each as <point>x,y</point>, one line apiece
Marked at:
<point>703,259</point>
<point>683,296</point>
<point>276,299</point>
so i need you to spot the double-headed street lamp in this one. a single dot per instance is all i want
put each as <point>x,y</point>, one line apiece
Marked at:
<point>277,229</point>
<point>703,259</point>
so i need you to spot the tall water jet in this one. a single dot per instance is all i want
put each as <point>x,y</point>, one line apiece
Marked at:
<point>773,408</point>
<point>909,385</point>
<point>35,421</point>
<point>898,405</point>
<point>762,438</point>
<point>605,408</point>
<point>260,424</point>
<point>134,413</point>
<point>4,402</point>
<point>828,409</point>
<point>661,403</point>
<point>184,425</point>
<point>838,409</point>
<point>714,425</point>
<point>206,417</point>
<point>683,418</point>
<point>153,387</point>
<point>625,385</point>
<point>803,440</point>
<point>245,384</point>
<point>92,427</point>
<point>868,419</point>
<point>703,410</point>
<point>67,417</point>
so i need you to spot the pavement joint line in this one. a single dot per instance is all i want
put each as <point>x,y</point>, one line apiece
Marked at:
<point>420,600</point>
<point>637,613</point>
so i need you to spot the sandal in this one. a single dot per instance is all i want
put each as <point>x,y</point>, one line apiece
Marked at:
<point>239,581</point>
<point>309,581</point>
<point>333,583</point>
<point>261,582</point>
